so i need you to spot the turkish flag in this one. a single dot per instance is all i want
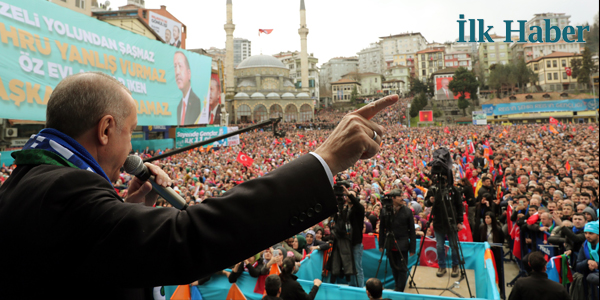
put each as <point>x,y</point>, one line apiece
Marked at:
<point>288,141</point>
<point>465,235</point>
<point>516,235</point>
<point>429,257</point>
<point>446,130</point>
<point>265,31</point>
<point>244,159</point>
<point>301,136</point>
<point>568,71</point>
<point>553,121</point>
<point>509,223</point>
<point>368,241</point>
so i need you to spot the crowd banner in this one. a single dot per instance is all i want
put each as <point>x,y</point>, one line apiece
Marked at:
<point>42,43</point>
<point>479,117</point>
<point>484,286</point>
<point>540,106</point>
<point>188,136</point>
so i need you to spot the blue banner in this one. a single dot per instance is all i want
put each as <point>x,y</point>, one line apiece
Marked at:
<point>41,43</point>
<point>540,106</point>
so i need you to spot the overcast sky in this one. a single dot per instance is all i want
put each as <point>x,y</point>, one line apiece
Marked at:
<point>344,27</point>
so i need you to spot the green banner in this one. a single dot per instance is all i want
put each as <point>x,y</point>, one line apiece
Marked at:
<point>187,136</point>
<point>41,43</point>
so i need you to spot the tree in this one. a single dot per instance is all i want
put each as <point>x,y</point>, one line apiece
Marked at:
<point>463,104</point>
<point>437,112</point>
<point>419,101</point>
<point>592,37</point>
<point>575,67</point>
<point>501,76</point>
<point>464,81</point>
<point>587,67</point>
<point>353,95</point>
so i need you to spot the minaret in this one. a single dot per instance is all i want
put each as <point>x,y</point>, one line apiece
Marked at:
<point>229,28</point>
<point>303,32</point>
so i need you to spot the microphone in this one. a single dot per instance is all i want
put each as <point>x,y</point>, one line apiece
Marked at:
<point>135,166</point>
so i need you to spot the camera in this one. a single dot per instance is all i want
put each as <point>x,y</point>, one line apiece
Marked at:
<point>338,188</point>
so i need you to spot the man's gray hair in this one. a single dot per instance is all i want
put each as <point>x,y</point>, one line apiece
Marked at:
<point>79,101</point>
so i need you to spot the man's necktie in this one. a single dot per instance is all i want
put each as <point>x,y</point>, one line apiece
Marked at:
<point>212,118</point>
<point>183,114</point>
<point>446,94</point>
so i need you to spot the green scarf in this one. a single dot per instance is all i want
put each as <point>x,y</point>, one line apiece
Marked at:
<point>40,157</point>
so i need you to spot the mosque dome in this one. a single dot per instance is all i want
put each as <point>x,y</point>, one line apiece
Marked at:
<point>302,95</point>
<point>241,95</point>
<point>288,96</point>
<point>273,96</point>
<point>257,95</point>
<point>261,61</point>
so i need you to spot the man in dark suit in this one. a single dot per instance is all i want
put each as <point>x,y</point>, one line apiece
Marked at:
<point>73,228</point>
<point>188,110</point>
<point>537,285</point>
<point>215,102</point>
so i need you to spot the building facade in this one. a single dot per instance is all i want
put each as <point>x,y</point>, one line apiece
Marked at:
<point>370,83</point>
<point>560,20</point>
<point>531,51</point>
<point>402,43</point>
<point>498,52</point>
<point>265,90</point>
<point>551,71</point>
<point>397,80</point>
<point>458,59</point>
<point>428,62</point>
<point>293,62</point>
<point>242,49</point>
<point>371,59</point>
<point>335,68</point>
<point>342,90</point>
<point>80,6</point>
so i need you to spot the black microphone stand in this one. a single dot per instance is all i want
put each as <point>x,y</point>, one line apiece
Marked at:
<point>273,121</point>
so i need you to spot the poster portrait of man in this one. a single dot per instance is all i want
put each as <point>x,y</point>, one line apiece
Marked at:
<point>176,37</point>
<point>443,92</point>
<point>215,100</point>
<point>189,108</point>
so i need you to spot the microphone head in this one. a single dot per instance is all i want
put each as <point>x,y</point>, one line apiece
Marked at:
<point>133,165</point>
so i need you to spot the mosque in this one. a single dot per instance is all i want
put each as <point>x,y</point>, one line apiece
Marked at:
<point>262,87</point>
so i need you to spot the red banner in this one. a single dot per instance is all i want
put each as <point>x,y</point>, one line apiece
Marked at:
<point>426,116</point>
<point>429,257</point>
<point>553,121</point>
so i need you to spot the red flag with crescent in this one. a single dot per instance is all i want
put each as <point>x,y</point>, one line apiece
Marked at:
<point>265,31</point>
<point>429,257</point>
<point>244,159</point>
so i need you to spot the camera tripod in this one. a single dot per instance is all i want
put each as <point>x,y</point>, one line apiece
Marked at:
<point>443,194</point>
<point>390,241</point>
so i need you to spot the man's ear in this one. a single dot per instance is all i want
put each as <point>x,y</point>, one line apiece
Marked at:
<point>105,125</point>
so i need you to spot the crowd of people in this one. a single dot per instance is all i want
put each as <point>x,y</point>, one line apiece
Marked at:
<point>521,176</point>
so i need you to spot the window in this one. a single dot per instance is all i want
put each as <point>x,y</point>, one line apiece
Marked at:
<point>555,76</point>
<point>503,54</point>
<point>424,72</point>
<point>449,64</point>
<point>492,48</point>
<point>492,55</point>
<point>554,63</point>
<point>549,76</point>
<point>80,3</point>
<point>548,64</point>
<point>423,64</point>
<point>375,79</point>
<point>564,75</point>
<point>563,62</point>
<point>422,56</point>
<point>501,47</point>
<point>535,67</point>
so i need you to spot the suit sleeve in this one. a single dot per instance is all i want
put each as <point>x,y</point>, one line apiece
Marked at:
<point>411,233</point>
<point>112,235</point>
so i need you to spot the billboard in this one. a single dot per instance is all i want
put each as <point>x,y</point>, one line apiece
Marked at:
<point>169,30</point>
<point>479,117</point>
<point>426,116</point>
<point>540,106</point>
<point>443,92</point>
<point>41,43</point>
<point>214,102</point>
<point>187,136</point>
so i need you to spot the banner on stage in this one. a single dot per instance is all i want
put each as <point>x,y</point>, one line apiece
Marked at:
<point>479,117</point>
<point>540,106</point>
<point>188,136</point>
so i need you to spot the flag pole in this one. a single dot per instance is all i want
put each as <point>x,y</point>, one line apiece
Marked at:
<point>273,121</point>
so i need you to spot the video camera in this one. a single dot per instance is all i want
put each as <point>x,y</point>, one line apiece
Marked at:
<point>338,187</point>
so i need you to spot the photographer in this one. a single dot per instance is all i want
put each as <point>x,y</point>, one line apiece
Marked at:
<point>348,232</point>
<point>468,195</point>
<point>400,219</point>
<point>441,229</point>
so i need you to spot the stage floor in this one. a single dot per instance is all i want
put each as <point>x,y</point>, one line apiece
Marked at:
<point>425,277</point>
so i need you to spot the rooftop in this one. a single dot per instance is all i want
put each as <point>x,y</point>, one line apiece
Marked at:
<point>258,61</point>
<point>449,70</point>
<point>401,35</point>
<point>555,54</point>
<point>430,51</point>
<point>344,80</point>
